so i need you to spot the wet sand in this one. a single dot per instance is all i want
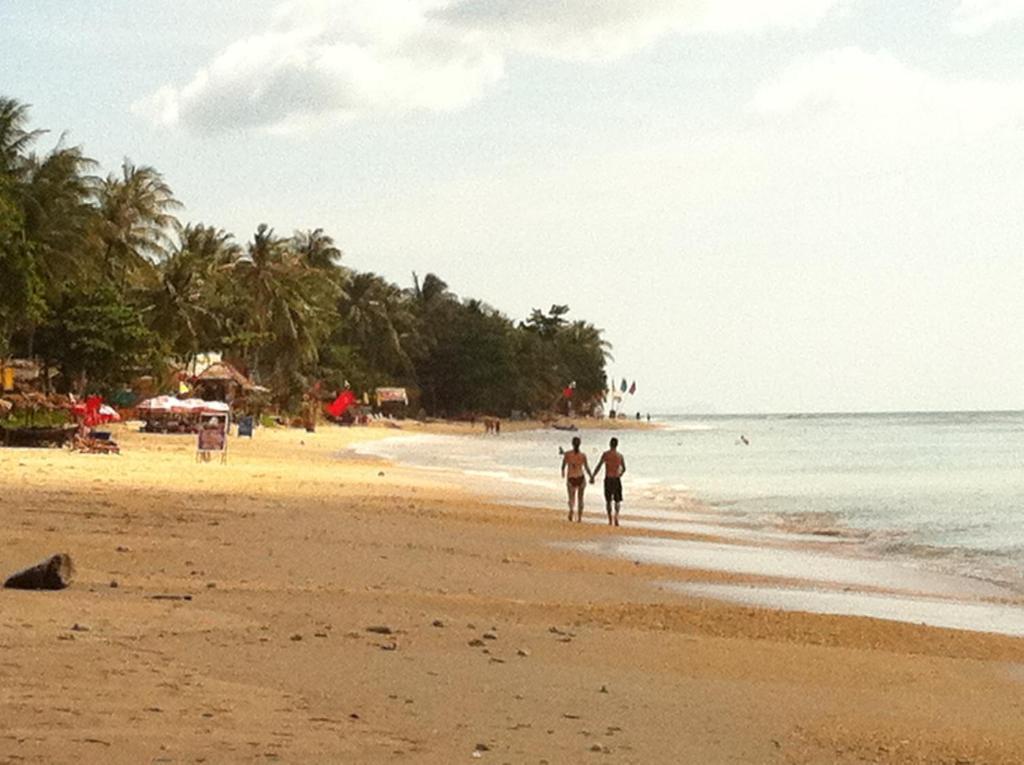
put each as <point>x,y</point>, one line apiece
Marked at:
<point>238,630</point>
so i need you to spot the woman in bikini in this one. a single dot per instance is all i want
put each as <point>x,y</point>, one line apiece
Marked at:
<point>576,470</point>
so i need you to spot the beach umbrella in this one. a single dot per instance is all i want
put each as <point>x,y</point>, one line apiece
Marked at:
<point>187,406</point>
<point>158,404</point>
<point>215,407</point>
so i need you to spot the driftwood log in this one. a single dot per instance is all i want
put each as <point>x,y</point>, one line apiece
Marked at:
<point>52,574</point>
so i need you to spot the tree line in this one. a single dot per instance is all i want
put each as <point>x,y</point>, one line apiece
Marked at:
<point>102,282</point>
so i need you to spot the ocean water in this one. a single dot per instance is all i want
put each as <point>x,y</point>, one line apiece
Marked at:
<point>932,492</point>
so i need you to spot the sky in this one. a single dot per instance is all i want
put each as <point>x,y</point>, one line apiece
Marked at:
<point>768,205</point>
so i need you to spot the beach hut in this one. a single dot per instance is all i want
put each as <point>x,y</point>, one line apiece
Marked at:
<point>222,382</point>
<point>392,401</point>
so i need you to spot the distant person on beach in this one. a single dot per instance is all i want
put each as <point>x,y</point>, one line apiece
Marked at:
<point>614,466</point>
<point>576,469</point>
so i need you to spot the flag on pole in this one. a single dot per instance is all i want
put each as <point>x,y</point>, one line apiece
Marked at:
<point>632,388</point>
<point>624,386</point>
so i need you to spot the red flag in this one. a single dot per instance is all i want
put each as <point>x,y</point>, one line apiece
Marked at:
<point>567,391</point>
<point>344,400</point>
<point>632,388</point>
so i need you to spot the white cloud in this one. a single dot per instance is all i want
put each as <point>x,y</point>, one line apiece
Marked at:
<point>978,16</point>
<point>595,29</point>
<point>328,61</point>
<point>876,91</point>
<point>325,61</point>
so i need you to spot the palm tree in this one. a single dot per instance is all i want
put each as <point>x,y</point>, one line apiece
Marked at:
<point>548,325</point>
<point>56,196</point>
<point>18,283</point>
<point>136,221</point>
<point>376,319</point>
<point>317,249</point>
<point>434,307</point>
<point>287,317</point>
<point>433,290</point>
<point>583,353</point>
<point>15,138</point>
<point>187,289</point>
<point>45,214</point>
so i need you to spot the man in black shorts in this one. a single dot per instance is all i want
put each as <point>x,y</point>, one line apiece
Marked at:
<point>614,466</point>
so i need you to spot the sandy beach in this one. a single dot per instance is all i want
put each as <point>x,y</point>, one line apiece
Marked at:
<point>303,604</point>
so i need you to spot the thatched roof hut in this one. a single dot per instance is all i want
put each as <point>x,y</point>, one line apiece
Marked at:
<point>222,382</point>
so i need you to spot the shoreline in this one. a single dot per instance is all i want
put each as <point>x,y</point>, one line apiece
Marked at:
<point>289,553</point>
<point>762,567</point>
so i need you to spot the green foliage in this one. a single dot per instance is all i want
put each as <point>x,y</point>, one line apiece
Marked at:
<point>100,281</point>
<point>20,287</point>
<point>187,302</point>
<point>97,340</point>
<point>133,222</point>
<point>44,418</point>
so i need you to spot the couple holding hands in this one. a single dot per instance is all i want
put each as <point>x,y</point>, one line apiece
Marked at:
<point>576,470</point>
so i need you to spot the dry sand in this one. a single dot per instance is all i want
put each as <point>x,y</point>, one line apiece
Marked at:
<point>494,646</point>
